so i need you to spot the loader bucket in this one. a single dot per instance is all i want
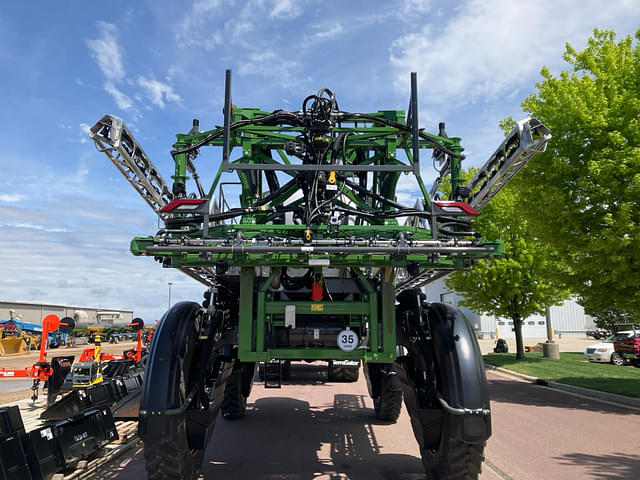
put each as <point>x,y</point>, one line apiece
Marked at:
<point>13,346</point>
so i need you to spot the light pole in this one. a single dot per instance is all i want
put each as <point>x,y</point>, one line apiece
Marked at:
<point>169,283</point>
<point>550,349</point>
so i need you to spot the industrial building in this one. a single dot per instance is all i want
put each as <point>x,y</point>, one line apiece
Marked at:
<point>83,316</point>
<point>567,320</point>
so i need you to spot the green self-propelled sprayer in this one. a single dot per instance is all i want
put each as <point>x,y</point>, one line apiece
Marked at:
<point>318,261</point>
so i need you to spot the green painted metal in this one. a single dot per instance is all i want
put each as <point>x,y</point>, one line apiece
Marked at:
<point>355,183</point>
<point>318,354</point>
<point>319,194</point>
<point>319,308</point>
<point>388,311</point>
<point>180,175</point>
<point>246,316</point>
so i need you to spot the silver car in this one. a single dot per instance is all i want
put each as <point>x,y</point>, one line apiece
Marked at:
<point>604,351</point>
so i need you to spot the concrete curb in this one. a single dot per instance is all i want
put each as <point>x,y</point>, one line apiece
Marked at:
<point>585,392</point>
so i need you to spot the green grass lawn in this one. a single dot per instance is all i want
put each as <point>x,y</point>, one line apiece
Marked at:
<point>572,369</point>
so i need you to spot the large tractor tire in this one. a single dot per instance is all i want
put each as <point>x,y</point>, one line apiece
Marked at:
<point>446,393</point>
<point>336,372</point>
<point>237,391</point>
<point>388,404</point>
<point>386,391</point>
<point>174,432</point>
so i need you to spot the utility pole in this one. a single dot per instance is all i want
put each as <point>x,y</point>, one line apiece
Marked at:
<point>549,328</point>
<point>550,349</point>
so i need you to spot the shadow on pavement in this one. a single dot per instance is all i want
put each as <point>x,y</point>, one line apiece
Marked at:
<point>284,438</point>
<point>304,373</point>
<point>605,467</point>
<point>505,391</point>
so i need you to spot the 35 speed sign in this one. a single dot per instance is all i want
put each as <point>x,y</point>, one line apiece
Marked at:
<point>347,340</point>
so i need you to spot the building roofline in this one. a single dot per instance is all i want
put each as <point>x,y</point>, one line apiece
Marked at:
<point>42,304</point>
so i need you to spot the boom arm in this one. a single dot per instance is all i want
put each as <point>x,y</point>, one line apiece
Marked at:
<point>339,207</point>
<point>112,137</point>
<point>526,140</point>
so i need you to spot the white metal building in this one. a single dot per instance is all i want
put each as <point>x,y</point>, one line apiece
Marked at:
<point>567,320</point>
<point>84,316</point>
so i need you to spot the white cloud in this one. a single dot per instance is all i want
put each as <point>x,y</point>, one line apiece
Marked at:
<point>69,234</point>
<point>270,65</point>
<point>238,30</point>
<point>411,7</point>
<point>211,24</point>
<point>33,226</point>
<point>84,132</point>
<point>11,197</point>
<point>190,31</point>
<point>100,274</point>
<point>123,101</point>
<point>106,51</point>
<point>489,49</point>
<point>285,9</point>
<point>323,32</point>
<point>331,31</point>
<point>158,91</point>
<point>209,34</point>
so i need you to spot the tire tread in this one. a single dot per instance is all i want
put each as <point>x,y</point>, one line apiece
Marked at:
<point>464,461</point>
<point>388,405</point>
<point>165,459</point>
<point>234,403</point>
<point>343,374</point>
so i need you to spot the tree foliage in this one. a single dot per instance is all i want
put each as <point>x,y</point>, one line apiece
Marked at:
<point>615,320</point>
<point>583,195</point>
<point>520,283</point>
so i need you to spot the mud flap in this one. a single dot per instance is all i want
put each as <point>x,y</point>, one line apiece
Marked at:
<point>461,370</point>
<point>174,363</point>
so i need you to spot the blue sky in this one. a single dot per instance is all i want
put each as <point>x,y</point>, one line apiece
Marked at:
<point>66,214</point>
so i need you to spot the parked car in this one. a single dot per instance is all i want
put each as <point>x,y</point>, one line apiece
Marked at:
<point>117,337</point>
<point>598,334</point>
<point>628,347</point>
<point>605,350</point>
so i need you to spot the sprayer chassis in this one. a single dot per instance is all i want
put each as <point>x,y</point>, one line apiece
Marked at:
<point>317,268</point>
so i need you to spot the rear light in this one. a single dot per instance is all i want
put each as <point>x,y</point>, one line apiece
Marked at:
<point>184,205</point>
<point>457,208</point>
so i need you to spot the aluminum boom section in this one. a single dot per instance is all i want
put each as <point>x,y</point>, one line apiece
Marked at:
<point>527,139</point>
<point>112,137</point>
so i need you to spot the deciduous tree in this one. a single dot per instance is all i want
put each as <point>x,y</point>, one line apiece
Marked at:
<point>519,284</point>
<point>583,195</point>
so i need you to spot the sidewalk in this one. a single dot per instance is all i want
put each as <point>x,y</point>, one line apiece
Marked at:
<point>620,400</point>
<point>566,344</point>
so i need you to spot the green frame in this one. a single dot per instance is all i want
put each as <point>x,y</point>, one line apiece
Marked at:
<point>257,311</point>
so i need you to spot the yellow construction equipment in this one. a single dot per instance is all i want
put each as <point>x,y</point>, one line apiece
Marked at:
<point>13,346</point>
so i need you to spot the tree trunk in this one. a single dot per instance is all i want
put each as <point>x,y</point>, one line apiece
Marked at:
<point>517,326</point>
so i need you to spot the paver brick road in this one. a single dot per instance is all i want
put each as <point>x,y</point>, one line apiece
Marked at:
<point>311,429</point>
